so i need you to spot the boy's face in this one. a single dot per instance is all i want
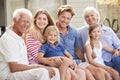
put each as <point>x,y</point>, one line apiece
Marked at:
<point>52,37</point>
<point>64,19</point>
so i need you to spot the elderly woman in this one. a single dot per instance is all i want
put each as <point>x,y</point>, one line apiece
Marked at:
<point>91,16</point>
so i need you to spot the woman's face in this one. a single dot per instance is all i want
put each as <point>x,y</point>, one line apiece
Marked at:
<point>91,18</point>
<point>41,21</point>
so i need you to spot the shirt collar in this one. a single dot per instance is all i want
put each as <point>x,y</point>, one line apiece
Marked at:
<point>12,33</point>
<point>69,29</point>
<point>104,28</point>
<point>56,43</point>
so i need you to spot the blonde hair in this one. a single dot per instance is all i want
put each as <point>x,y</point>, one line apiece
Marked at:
<point>67,8</point>
<point>51,29</point>
<point>35,31</point>
<point>36,34</point>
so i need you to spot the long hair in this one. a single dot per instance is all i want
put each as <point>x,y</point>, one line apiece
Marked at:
<point>35,31</point>
<point>91,28</point>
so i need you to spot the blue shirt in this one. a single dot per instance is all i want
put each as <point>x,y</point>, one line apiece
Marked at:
<point>50,51</point>
<point>109,37</point>
<point>70,41</point>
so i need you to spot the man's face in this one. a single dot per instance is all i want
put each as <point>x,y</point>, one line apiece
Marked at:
<point>64,19</point>
<point>22,24</point>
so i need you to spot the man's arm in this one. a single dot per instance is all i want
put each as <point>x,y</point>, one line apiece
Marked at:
<point>14,66</point>
<point>79,54</point>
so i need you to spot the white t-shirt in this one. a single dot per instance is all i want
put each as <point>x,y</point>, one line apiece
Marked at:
<point>12,49</point>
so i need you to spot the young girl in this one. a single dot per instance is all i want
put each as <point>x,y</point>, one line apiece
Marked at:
<point>93,48</point>
<point>53,54</point>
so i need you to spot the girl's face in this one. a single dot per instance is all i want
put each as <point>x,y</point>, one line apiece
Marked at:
<point>91,18</point>
<point>96,33</point>
<point>52,37</point>
<point>64,19</point>
<point>41,21</point>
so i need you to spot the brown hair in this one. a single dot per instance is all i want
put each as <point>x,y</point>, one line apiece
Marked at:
<point>35,31</point>
<point>44,11</point>
<point>67,8</point>
<point>91,28</point>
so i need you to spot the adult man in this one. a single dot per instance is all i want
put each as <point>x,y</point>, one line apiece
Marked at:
<point>69,39</point>
<point>13,53</point>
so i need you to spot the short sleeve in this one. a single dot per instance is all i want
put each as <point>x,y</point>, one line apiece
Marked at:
<point>9,48</point>
<point>43,48</point>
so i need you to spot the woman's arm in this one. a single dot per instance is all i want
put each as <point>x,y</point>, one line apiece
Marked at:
<point>113,51</point>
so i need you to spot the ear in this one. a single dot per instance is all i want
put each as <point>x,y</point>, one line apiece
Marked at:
<point>14,20</point>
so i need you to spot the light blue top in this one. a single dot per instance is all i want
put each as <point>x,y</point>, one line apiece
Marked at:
<point>109,37</point>
<point>70,41</point>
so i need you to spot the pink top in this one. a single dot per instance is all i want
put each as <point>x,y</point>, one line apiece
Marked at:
<point>33,46</point>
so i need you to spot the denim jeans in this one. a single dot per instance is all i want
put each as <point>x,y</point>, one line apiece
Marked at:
<point>114,63</point>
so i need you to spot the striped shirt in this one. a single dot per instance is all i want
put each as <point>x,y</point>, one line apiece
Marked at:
<point>33,46</point>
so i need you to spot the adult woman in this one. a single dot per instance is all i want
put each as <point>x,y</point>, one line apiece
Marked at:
<point>91,16</point>
<point>34,36</point>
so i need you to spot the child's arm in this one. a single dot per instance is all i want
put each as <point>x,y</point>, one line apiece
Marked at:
<point>114,51</point>
<point>90,59</point>
<point>46,61</point>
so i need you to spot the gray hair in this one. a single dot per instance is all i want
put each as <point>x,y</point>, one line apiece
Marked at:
<point>88,10</point>
<point>17,13</point>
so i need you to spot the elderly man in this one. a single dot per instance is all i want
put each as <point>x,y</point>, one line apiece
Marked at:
<point>13,54</point>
